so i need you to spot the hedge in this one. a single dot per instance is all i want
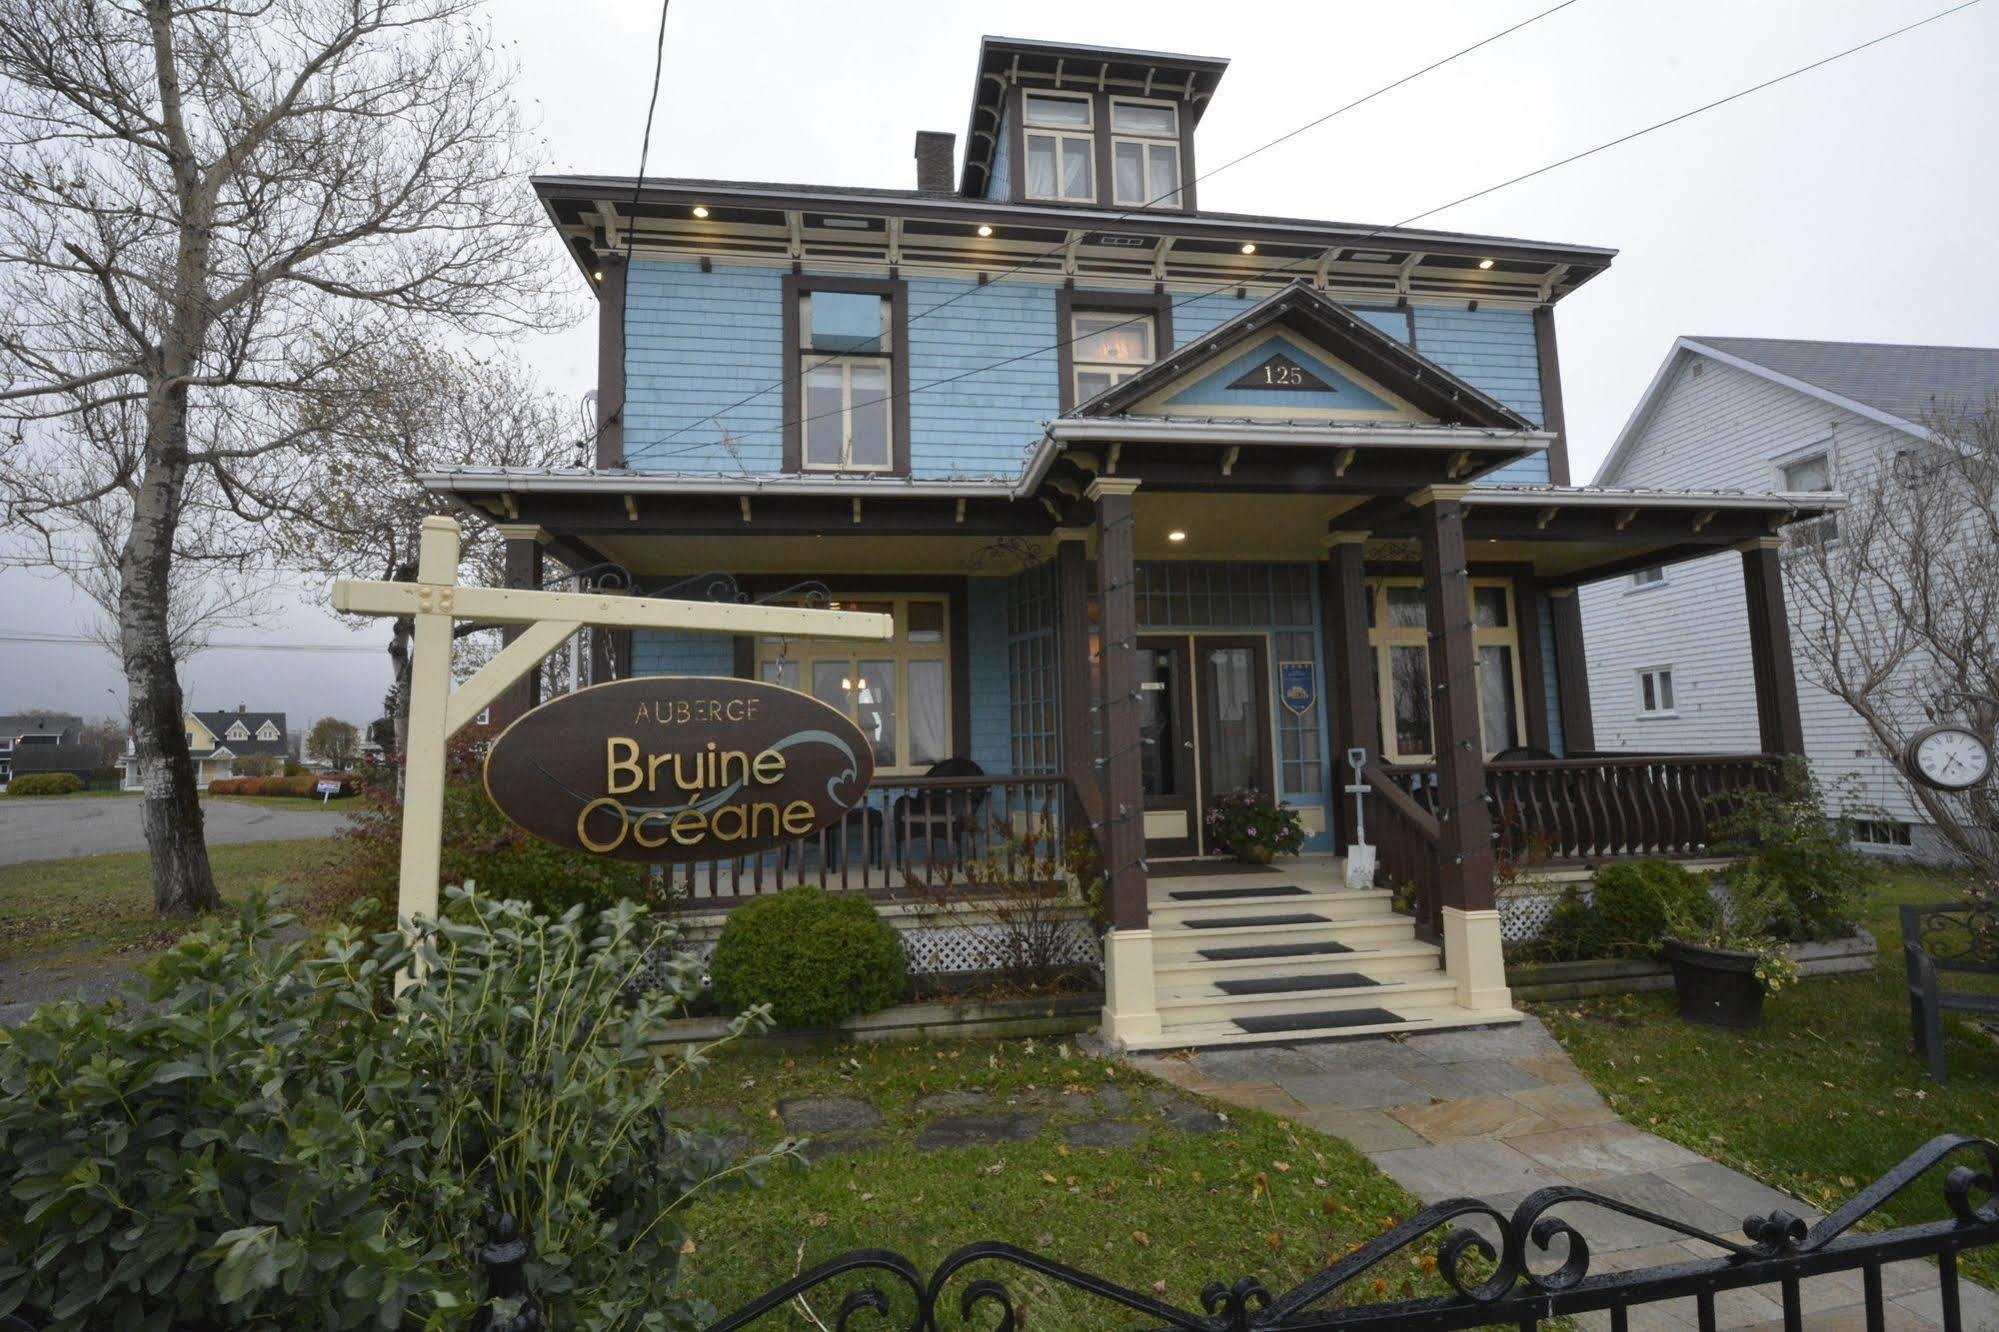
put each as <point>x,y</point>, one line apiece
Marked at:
<point>281,786</point>
<point>45,783</point>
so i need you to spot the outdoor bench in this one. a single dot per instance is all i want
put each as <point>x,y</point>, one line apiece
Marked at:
<point>1945,938</point>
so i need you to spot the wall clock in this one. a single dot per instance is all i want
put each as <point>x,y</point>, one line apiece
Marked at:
<point>1949,758</point>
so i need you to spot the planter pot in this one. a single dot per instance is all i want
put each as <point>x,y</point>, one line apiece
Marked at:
<point>1256,855</point>
<point>1716,987</point>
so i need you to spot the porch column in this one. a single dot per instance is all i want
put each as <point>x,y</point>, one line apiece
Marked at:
<point>521,568</point>
<point>1777,717</point>
<point>1130,1002</point>
<point>1571,670</point>
<point>1072,644</point>
<point>1472,955</point>
<point>1353,708</point>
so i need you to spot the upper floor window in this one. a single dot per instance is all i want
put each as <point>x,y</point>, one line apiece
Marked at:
<point>267,732</point>
<point>1806,475</point>
<point>1109,346</point>
<point>1145,152</point>
<point>1060,134</point>
<point>845,366</point>
<point>1651,577</point>
<point>239,732</point>
<point>1655,692</point>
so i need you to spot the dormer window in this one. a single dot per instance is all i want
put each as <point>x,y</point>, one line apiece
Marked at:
<point>267,732</point>
<point>239,732</point>
<point>1145,152</point>
<point>1061,147</point>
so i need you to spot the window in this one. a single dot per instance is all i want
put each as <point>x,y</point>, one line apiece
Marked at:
<point>1655,692</point>
<point>1809,475</point>
<point>238,732</point>
<point>1398,630</point>
<point>1108,346</point>
<point>1060,131</point>
<point>898,693</point>
<point>1881,832</point>
<point>846,363</point>
<point>267,732</point>
<point>1145,152</point>
<point>1651,577</point>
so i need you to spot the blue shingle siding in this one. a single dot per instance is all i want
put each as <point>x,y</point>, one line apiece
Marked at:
<point>695,343</point>
<point>991,742</point>
<point>983,424</point>
<point>1495,351</point>
<point>665,652</point>
<point>1550,685</point>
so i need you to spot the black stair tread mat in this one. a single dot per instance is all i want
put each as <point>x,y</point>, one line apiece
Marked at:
<point>1236,922</point>
<point>1327,980</point>
<point>1186,869</point>
<point>1253,952</point>
<point>1339,1017</point>
<point>1222,894</point>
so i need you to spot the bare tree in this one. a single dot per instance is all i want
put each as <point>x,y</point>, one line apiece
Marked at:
<point>409,409</point>
<point>105,740</point>
<point>210,207</point>
<point>335,741</point>
<point>1896,609</point>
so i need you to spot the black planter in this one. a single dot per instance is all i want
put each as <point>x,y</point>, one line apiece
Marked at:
<point>1716,987</point>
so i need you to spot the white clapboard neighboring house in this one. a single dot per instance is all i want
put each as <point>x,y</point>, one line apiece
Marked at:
<point>1668,646</point>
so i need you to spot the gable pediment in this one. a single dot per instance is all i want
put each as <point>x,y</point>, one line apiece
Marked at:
<point>1280,374</point>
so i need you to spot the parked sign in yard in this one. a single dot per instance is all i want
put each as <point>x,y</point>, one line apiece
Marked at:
<point>674,769</point>
<point>327,790</point>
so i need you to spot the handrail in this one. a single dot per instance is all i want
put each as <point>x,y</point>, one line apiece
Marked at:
<point>1406,837</point>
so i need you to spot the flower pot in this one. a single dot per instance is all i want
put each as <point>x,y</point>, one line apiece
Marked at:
<point>1716,987</point>
<point>1256,854</point>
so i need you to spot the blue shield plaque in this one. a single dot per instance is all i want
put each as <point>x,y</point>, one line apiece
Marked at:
<point>1297,685</point>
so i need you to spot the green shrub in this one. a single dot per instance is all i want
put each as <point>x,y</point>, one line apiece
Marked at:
<point>296,769</point>
<point>1627,910</point>
<point>257,765</point>
<point>816,958</point>
<point>45,783</point>
<point>1790,845</point>
<point>275,1139</point>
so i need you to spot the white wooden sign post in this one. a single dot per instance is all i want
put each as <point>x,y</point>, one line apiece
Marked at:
<point>435,601</point>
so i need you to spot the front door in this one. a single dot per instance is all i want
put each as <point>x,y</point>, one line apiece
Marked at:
<point>1232,702</point>
<point>1166,747</point>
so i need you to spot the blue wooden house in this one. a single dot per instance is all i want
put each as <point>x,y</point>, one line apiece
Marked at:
<point>1166,503</point>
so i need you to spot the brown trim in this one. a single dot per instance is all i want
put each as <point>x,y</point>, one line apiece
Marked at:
<point>1266,723</point>
<point>522,568</point>
<point>1553,418</point>
<point>1072,644</point>
<point>1106,166</point>
<point>1533,668</point>
<point>1068,300</point>
<point>1354,712</point>
<point>1122,839</point>
<point>1571,672</point>
<point>1778,719</point>
<point>1016,162</point>
<point>1464,843</point>
<point>745,652</point>
<point>1182,645</point>
<point>960,599</point>
<point>799,284</point>
<point>610,450</point>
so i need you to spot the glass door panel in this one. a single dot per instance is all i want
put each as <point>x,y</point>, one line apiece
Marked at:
<point>1166,746</point>
<point>1234,707</point>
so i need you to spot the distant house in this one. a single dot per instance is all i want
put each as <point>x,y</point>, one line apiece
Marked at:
<point>218,739</point>
<point>1668,648</point>
<point>24,730</point>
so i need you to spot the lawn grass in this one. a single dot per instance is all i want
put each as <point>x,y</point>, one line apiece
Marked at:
<point>1823,1099</point>
<point>71,795</point>
<point>1164,1217</point>
<point>288,802</point>
<point>104,904</point>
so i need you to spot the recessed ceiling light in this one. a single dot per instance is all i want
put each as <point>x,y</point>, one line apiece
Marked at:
<point>1249,247</point>
<point>1485,263</point>
<point>597,273</point>
<point>700,211</point>
<point>985,230</point>
<point>1176,535</point>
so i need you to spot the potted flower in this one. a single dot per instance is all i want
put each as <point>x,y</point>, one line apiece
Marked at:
<point>1725,962</point>
<point>1254,828</point>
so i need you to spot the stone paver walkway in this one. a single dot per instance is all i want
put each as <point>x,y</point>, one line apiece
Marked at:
<point>1498,1112</point>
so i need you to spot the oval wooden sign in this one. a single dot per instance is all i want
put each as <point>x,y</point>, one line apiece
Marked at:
<point>670,769</point>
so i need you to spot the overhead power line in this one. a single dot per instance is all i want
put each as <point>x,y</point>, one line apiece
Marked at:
<point>1294,266</point>
<point>84,640</point>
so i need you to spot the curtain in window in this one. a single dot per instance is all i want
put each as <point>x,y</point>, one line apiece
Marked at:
<point>928,728</point>
<point>874,706</point>
<point>1076,170</point>
<point>1495,697</point>
<point>1040,166</point>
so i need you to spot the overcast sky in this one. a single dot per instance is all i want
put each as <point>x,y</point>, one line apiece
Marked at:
<point>1856,202</point>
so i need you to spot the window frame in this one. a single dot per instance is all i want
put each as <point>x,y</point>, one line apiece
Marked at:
<point>1640,583</point>
<point>1147,143</point>
<point>231,733</point>
<point>1085,133</point>
<point>797,362</point>
<point>1811,531</point>
<point>1672,687</point>
<point>772,649</point>
<point>1383,637</point>
<point>1069,303</point>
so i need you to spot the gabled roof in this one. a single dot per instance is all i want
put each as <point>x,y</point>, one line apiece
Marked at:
<point>219,723</point>
<point>1318,318</point>
<point>53,758</point>
<point>37,723</point>
<point>1896,384</point>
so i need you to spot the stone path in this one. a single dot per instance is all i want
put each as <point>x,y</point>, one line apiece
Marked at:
<point>1498,1112</point>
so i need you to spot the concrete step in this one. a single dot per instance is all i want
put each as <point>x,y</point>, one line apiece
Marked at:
<point>1179,944</point>
<point>1212,1034</point>
<point>1425,990</point>
<point>1340,903</point>
<point>1380,962</point>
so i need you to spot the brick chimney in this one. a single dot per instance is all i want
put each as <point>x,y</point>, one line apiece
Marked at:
<point>936,153</point>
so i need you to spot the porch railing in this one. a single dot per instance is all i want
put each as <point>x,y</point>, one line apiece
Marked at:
<point>1605,806</point>
<point>908,835</point>
<point>1405,836</point>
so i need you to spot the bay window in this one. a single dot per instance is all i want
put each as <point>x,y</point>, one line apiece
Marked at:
<point>1060,135</point>
<point>1145,152</point>
<point>1399,633</point>
<point>898,693</point>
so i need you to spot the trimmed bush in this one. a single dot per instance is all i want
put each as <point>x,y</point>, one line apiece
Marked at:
<point>258,765</point>
<point>272,1137</point>
<point>307,785</point>
<point>296,769</point>
<point>816,958</point>
<point>1627,911</point>
<point>45,783</point>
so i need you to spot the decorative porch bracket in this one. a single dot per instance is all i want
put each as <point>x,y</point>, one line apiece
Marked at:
<point>435,601</point>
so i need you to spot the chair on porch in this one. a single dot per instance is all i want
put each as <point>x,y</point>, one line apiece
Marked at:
<point>949,817</point>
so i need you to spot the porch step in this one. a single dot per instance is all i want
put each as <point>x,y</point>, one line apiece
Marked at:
<point>1218,894</point>
<point>1265,1024</point>
<point>1168,911</point>
<point>1182,943</point>
<point>1181,973</point>
<point>1255,952</point>
<point>1404,1018</point>
<point>1325,980</point>
<point>1206,1003</point>
<point>1244,922</point>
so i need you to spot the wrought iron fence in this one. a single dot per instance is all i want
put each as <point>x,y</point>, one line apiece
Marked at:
<point>1514,1269</point>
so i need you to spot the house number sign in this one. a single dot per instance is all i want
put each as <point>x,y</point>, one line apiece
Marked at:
<point>665,770</point>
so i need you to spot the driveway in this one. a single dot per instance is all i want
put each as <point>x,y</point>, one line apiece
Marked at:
<point>96,825</point>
